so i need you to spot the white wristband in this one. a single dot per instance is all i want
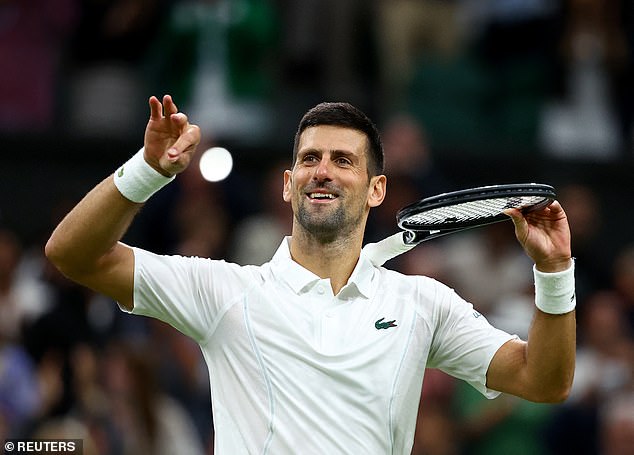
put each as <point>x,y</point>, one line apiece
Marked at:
<point>555,292</point>
<point>136,180</point>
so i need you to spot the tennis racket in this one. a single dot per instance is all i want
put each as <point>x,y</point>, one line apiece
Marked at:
<point>457,211</point>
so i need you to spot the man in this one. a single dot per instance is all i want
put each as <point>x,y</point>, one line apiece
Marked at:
<point>318,350</point>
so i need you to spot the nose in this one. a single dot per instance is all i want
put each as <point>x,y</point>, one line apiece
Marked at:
<point>323,171</point>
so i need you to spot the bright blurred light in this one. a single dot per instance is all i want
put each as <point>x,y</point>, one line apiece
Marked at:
<point>216,164</point>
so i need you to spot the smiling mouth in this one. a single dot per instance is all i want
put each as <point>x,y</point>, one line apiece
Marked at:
<point>321,196</point>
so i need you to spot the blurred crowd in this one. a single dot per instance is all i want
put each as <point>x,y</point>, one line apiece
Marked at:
<point>537,77</point>
<point>553,74</point>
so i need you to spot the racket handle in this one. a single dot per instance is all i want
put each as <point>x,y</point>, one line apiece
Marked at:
<point>380,252</point>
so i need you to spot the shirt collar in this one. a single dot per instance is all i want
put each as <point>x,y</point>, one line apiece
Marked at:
<point>362,281</point>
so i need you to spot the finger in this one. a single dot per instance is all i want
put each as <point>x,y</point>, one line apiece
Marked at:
<point>169,107</point>
<point>514,214</point>
<point>156,109</point>
<point>519,221</point>
<point>179,119</point>
<point>181,124</point>
<point>186,141</point>
<point>556,208</point>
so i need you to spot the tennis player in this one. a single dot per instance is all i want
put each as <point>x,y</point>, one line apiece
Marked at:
<point>318,351</point>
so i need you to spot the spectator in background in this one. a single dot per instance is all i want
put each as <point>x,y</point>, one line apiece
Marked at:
<point>148,420</point>
<point>256,238</point>
<point>91,403</point>
<point>617,424</point>
<point>182,375</point>
<point>20,395</point>
<point>23,298</point>
<point>494,271</point>
<point>413,173</point>
<point>408,154</point>
<point>33,38</point>
<point>68,427</point>
<point>606,349</point>
<point>604,369</point>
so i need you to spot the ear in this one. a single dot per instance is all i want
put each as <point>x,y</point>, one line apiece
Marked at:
<point>286,193</point>
<point>376,190</point>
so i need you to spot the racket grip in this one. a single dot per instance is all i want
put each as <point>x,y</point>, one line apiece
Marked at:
<point>380,252</point>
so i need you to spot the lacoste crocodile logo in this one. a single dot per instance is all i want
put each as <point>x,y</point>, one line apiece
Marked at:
<point>121,172</point>
<point>384,325</point>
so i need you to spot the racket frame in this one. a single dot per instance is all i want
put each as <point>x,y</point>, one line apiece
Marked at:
<point>415,233</point>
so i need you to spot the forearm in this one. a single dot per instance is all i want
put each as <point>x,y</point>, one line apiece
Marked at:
<point>552,336</point>
<point>91,230</point>
<point>541,369</point>
<point>550,355</point>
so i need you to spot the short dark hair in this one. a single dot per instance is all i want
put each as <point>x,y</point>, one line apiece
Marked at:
<point>347,116</point>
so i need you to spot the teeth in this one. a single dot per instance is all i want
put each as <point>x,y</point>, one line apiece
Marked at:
<point>321,196</point>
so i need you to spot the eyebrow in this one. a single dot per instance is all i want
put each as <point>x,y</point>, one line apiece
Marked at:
<point>335,153</point>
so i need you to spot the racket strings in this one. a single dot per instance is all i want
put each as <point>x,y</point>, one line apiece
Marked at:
<point>475,211</point>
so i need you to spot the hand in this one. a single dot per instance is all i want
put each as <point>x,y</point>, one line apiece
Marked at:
<point>545,236</point>
<point>170,140</point>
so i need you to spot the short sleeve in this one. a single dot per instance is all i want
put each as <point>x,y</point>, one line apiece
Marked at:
<point>464,342</point>
<point>188,293</point>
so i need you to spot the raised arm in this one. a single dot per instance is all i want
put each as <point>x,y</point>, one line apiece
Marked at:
<point>542,368</point>
<point>86,245</point>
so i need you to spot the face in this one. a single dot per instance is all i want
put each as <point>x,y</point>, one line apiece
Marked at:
<point>329,187</point>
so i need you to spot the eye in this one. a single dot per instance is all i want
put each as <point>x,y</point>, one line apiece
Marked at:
<point>341,161</point>
<point>309,158</point>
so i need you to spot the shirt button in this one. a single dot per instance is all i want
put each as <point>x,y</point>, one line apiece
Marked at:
<point>330,314</point>
<point>320,290</point>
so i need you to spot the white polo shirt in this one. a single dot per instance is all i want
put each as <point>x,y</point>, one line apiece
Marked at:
<point>295,369</point>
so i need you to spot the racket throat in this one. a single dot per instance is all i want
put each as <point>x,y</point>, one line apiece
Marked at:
<point>414,238</point>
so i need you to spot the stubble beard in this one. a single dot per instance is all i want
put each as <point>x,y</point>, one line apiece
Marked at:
<point>328,226</point>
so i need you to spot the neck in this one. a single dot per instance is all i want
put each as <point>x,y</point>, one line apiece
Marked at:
<point>335,259</point>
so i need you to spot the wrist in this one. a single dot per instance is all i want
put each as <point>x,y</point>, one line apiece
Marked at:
<point>554,266</point>
<point>137,181</point>
<point>555,291</point>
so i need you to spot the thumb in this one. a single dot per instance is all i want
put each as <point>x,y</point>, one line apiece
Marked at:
<point>185,145</point>
<point>521,225</point>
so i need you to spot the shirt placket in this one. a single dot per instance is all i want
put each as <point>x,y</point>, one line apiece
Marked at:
<point>323,312</point>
